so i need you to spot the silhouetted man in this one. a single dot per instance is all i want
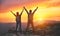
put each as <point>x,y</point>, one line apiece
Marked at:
<point>30,18</point>
<point>18,20</point>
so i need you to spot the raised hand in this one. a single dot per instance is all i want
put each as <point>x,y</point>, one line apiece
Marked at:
<point>25,9</point>
<point>21,12</point>
<point>12,13</point>
<point>35,10</point>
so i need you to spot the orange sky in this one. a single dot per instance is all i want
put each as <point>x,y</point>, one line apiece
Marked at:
<point>47,9</point>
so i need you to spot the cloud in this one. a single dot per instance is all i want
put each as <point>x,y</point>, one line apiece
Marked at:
<point>1,1</point>
<point>6,4</point>
<point>54,3</point>
<point>20,2</point>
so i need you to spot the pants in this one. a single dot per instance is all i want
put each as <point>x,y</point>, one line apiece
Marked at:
<point>18,26</point>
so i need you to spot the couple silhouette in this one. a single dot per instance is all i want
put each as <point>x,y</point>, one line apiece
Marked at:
<point>30,19</point>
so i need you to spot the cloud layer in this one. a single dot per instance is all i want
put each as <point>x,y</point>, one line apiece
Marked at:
<point>6,4</point>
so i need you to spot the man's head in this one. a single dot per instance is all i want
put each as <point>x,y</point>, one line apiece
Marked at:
<point>30,11</point>
<point>17,13</point>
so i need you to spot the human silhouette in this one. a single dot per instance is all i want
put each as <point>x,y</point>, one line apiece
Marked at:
<point>18,20</point>
<point>30,18</point>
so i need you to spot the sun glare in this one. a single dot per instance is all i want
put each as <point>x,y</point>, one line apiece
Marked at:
<point>41,19</point>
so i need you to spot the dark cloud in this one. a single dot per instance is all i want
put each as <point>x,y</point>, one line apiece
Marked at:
<point>0,1</point>
<point>20,2</point>
<point>5,4</point>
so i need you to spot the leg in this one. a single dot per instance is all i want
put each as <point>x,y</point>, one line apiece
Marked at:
<point>20,29</point>
<point>32,26</point>
<point>16,27</point>
<point>27,26</point>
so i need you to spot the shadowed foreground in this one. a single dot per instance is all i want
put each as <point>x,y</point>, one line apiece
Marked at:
<point>51,29</point>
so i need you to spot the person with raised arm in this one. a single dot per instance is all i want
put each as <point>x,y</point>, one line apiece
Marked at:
<point>30,18</point>
<point>18,20</point>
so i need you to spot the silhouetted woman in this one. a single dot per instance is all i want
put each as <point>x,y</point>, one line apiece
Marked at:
<point>18,20</point>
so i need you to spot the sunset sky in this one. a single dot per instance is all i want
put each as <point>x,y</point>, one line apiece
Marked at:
<point>47,9</point>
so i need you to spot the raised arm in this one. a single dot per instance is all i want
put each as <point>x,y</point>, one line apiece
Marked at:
<point>25,10</point>
<point>12,13</point>
<point>35,10</point>
<point>21,12</point>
